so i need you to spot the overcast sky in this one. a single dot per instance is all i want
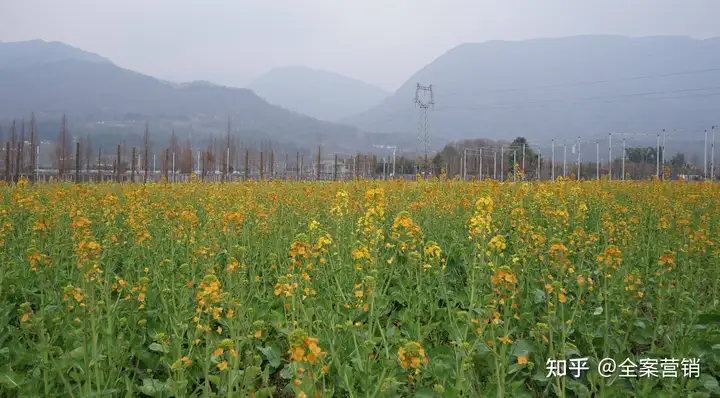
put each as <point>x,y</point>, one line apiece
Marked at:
<point>382,42</point>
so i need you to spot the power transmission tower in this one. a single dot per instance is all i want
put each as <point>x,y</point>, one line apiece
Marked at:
<point>423,126</point>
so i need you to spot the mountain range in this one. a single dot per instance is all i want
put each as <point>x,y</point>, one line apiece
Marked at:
<point>542,89</point>
<point>103,99</point>
<point>319,94</point>
<point>560,88</point>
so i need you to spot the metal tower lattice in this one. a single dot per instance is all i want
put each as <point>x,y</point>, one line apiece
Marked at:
<point>421,95</point>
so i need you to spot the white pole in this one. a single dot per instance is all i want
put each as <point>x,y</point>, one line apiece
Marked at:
<point>173,166</point>
<point>514,163</point>
<point>495,165</point>
<point>197,171</point>
<point>578,149</point>
<point>502,163</point>
<point>538,165</point>
<point>712,155</point>
<point>481,162</point>
<point>564,160</point>
<point>705,158</point>
<point>597,161</point>
<point>464,164</point>
<point>552,172</point>
<point>523,159</point>
<point>393,163</point>
<point>657,158</point>
<point>663,156</point>
<point>610,159</point>
<point>623,159</point>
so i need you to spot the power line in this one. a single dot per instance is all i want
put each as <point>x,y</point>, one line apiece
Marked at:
<point>588,100</point>
<point>441,94</point>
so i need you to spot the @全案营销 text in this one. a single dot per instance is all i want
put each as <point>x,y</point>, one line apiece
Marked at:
<point>642,368</point>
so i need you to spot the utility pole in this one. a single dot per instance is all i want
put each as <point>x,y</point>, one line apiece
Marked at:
<point>77,162</point>
<point>261,165</point>
<point>480,169</point>
<point>663,154</point>
<point>657,158</point>
<point>623,159</point>
<point>578,160</point>
<point>597,161</point>
<point>610,159</point>
<point>502,163</point>
<point>132,166</point>
<point>99,169</point>
<point>712,155</point>
<point>167,164</point>
<point>318,164</point>
<point>705,158</point>
<point>146,157</point>
<point>552,169</point>
<point>33,145</point>
<point>538,166</point>
<point>117,167</point>
<point>523,158</point>
<point>423,125</point>
<point>514,163</point>
<point>247,164</point>
<point>464,164</point>
<point>297,166</point>
<point>564,160</point>
<point>7,161</point>
<point>494,165</point>
<point>335,169</point>
<point>173,164</point>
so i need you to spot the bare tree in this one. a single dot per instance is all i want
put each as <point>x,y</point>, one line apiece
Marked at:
<point>62,149</point>
<point>146,144</point>
<point>21,151</point>
<point>33,146</point>
<point>87,151</point>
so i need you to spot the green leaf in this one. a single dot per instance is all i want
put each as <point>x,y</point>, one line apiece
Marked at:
<point>708,319</point>
<point>287,372</point>
<point>77,353</point>
<point>425,393</point>
<point>152,387</point>
<point>159,348</point>
<point>710,383</point>
<point>522,348</point>
<point>272,354</point>
<point>10,379</point>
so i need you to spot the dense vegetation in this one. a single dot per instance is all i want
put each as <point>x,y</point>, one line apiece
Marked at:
<point>433,288</point>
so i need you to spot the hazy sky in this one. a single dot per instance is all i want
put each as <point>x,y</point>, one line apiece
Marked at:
<point>382,42</point>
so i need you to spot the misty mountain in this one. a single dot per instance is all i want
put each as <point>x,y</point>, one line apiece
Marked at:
<point>102,97</point>
<point>319,94</point>
<point>560,88</point>
<point>34,52</point>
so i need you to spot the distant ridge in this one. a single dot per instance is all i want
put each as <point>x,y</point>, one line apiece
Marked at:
<point>503,89</point>
<point>317,93</point>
